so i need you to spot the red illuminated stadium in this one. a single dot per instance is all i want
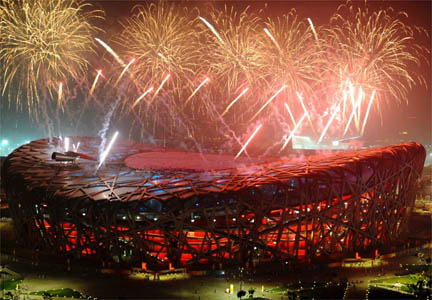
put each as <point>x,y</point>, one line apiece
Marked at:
<point>159,206</point>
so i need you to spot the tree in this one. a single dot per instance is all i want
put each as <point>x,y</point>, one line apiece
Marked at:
<point>251,292</point>
<point>241,294</point>
<point>292,295</point>
<point>9,295</point>
<point>419,284</point>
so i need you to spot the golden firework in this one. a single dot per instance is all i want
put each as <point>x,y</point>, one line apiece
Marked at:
<point>232,52</point>
<point>162,37</point>
<point>291,54</point>
<point>42,43</point>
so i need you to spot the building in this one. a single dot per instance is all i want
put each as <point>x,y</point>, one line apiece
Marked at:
<point>162,206</point>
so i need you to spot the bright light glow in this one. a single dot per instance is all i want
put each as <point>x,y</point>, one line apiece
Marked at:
<point>299,96</point>
<point>111,51</point>
<point>105,153</point>
<point>196,90</point>
<point>292,132</point>
<point>163,56</point>
<point>234,101</point>
<point>75,148</point>
<point>271,37</point>
<point>344,99</point>
<point>141,97</point>
<point>159,88</point>
<point>301,137</point>
<point>99,73</point>
<point>248,141</point>
<point>328,125</point>
<point>66,144</point>
<point>357,103</point>
<point>213,30</point>
<point>60,93</point>
<point>5,142</point>
<point>367,112</point>
<point>335,143</point>
<point>313,29</point>
<point>268,101</point>
<point>124,70</point>
<point>290,113</point>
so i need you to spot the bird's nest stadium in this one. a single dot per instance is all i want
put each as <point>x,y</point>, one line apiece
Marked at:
<point>161,206</point>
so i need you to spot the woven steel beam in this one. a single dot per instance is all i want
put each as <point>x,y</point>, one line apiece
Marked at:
<point>273,210</point>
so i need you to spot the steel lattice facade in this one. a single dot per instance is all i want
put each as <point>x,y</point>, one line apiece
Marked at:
<point>286,209</point>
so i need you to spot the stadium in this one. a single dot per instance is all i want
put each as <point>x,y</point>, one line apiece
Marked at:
<point>165,206</point>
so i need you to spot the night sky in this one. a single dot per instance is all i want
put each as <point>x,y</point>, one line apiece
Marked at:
<point>413,117</point>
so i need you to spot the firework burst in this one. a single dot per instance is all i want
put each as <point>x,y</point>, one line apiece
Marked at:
<point>163,39</point>
<point>231,50</point>
<point>375,50</point>
<point>180,70</point>
<point>290,52</point>
<point>42,43</point>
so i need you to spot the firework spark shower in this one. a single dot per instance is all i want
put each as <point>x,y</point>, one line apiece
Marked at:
<point>43,43</point>
<point>205,74</point>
